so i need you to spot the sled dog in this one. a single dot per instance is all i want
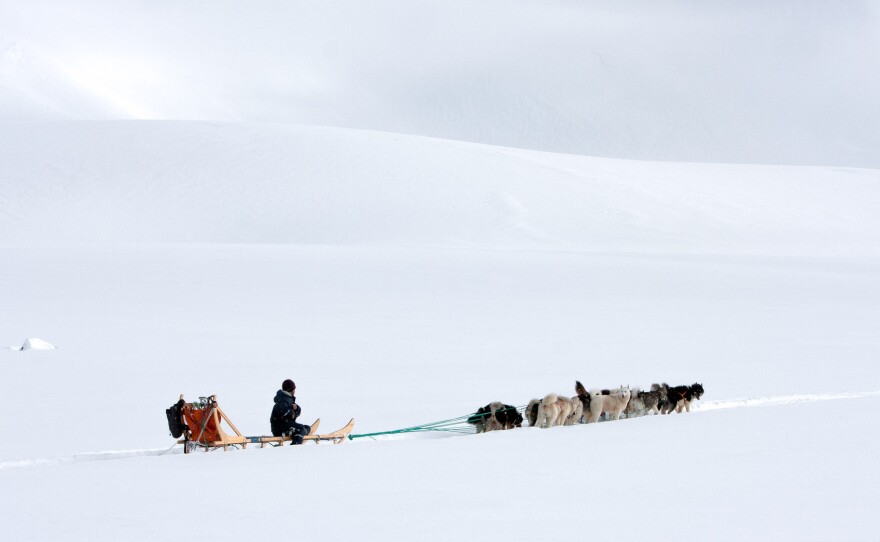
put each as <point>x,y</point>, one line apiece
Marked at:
<point>553,410</point>
<point>494,417</point>
<point>663,390</point>
<point>508,417</point>
<point>642,402</point>
<point>577,411</point>
<point>531,412</point>
<point>478,419</point>
<point>609,402</point>
<point>681,397</point>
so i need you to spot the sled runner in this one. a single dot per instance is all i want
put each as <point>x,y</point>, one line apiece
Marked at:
<point>200,425</point>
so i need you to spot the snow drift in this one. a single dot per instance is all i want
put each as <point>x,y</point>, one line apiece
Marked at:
<point>34,343</point>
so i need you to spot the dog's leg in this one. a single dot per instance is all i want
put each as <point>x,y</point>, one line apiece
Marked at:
<point>595,410</point>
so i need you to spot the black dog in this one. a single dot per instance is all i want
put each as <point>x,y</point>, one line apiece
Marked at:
<point>679,397</point>
<point>508,417</point>
<point>495,416</point>
<point>478,418</point>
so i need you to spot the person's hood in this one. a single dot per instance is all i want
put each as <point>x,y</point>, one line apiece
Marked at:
<point>283,397</point>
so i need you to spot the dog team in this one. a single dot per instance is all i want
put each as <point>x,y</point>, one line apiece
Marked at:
<point>588,407</point>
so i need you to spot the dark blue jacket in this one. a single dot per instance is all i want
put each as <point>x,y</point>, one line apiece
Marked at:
<point>284,413</point>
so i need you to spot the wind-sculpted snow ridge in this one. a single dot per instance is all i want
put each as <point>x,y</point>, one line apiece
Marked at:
<point>704,407</point>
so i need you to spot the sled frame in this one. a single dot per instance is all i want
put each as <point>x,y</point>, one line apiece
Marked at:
<point>236,439</point>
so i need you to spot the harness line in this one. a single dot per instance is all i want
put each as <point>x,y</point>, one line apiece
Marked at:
<point>453,425</point>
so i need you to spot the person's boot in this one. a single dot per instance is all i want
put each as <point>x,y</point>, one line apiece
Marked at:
<point>296,439</point>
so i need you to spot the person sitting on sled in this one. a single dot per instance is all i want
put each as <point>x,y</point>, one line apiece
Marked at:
<point>285,412</point>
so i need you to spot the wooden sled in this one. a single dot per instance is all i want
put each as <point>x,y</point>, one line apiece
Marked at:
<point>203,428</point>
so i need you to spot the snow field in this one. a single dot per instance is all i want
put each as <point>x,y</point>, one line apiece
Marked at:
<point>413,209</point>
<point>728,474</point>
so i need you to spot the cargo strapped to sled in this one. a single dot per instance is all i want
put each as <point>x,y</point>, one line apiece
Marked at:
<point>175,418</point>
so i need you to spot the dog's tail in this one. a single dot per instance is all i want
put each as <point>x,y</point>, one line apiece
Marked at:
<point>662,390</point>
<point>579,388</point>
<point>533,405</point>
<point>659,387</point>
<point>549,399</point>
<point>585,400</point>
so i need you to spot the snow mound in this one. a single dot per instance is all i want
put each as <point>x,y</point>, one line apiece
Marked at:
<point>34,343</point>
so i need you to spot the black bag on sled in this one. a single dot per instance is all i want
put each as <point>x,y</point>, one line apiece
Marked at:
<point>175,415</point>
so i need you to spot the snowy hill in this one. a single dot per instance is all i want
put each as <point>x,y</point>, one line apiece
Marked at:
<point>160,182</point>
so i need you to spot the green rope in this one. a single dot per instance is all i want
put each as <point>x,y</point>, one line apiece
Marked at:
<point>458,425</point>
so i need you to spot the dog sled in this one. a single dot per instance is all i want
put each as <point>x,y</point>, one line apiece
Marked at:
<point>200,424</point>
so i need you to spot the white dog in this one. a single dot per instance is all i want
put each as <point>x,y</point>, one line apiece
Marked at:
<point>611,402</point>
<point>553,410</point>
<point>577,410</point>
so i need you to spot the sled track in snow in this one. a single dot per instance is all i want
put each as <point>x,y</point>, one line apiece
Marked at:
<point>85,457</point>
<point>780,400</point>
<point>703,407</point>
